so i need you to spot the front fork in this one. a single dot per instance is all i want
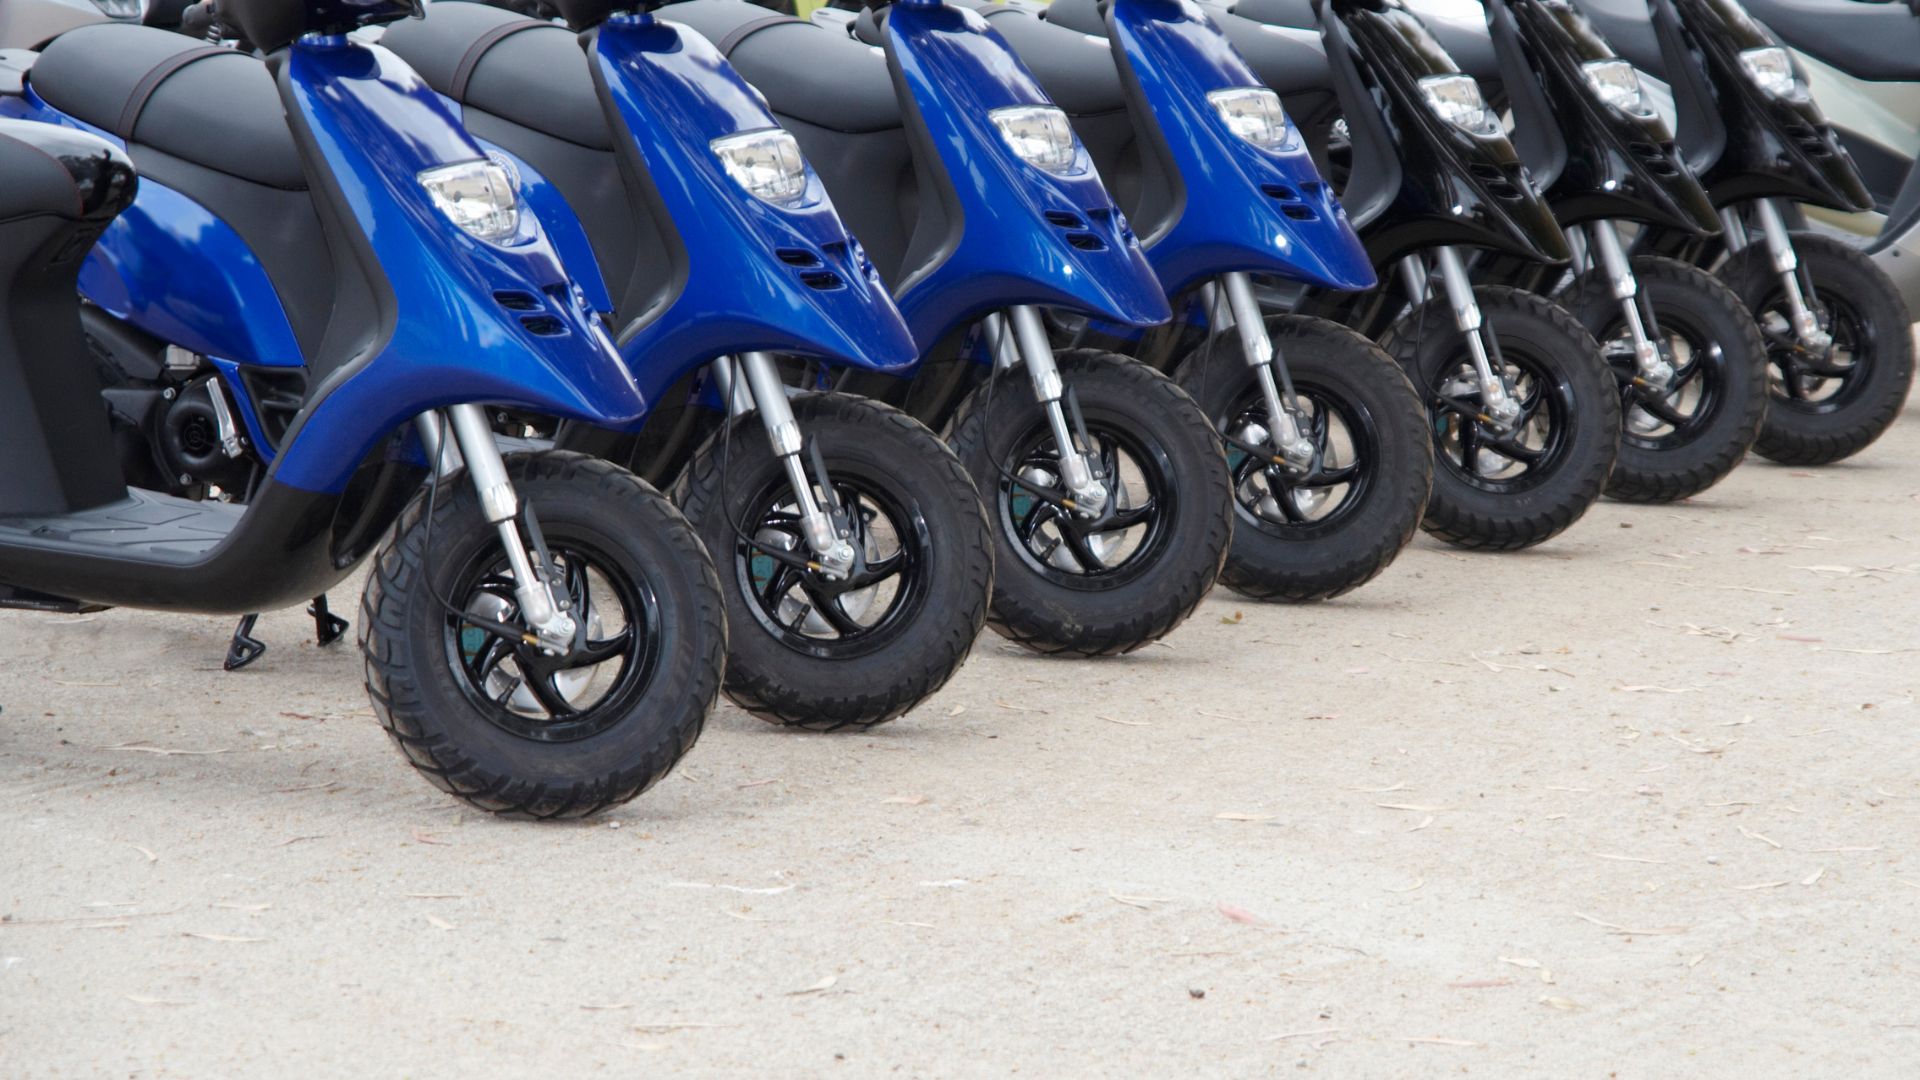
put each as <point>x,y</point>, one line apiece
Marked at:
<point>1600,239</point>
<point>765,393</point>
<point>1269,367</point>
<point>1773,229</point>
<point>1496,396</point>
<point>543,602</point>
<point>1020,337</point>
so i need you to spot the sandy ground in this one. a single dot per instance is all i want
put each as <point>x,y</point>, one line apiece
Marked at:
<point>1643,801</point>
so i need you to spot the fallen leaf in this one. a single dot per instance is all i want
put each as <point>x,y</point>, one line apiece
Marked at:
<point>1410,888</point>
<point>439,923</point>
<point>151,857</point>
<point>1559,1003</point>
<point>1813,877</point>
<point>1234,619</point>
<point>1424,822</point>
<point>1241,915</point>
<point>817,988</point>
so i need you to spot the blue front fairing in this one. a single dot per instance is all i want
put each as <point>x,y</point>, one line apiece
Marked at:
<point>463,329</point>
<point>758,276</point>
<point>1243,207</point>
<point>1015,220</point>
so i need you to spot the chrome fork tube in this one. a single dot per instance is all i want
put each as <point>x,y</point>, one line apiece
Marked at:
<point>1029,337</point>
<point>501,505</point>
<point>1466,318</point>
<point>769,393</point>
<point>1413,276</point>
<point>1620,279</point>
<point>1257,346</point>
<point>1787,265</point>
<point>1733,231</point>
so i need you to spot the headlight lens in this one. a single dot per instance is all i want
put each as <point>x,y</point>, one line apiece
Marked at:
<point>1038,135</point>
<point>1456,99</point>
<point>1254,114</point>
<point>1618,84</point>
<point>767,163</point>
<point>479,196</point>
<point>1771,69</point>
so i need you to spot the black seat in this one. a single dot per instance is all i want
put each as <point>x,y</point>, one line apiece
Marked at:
<point>1879,42</point>
<point>213,107</point>
<point>1077,73</point>
<point>806,71</point>
<point>532,73</point>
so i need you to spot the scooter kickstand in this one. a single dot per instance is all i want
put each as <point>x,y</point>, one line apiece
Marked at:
<point>327,627</point>
<point>245,648</point>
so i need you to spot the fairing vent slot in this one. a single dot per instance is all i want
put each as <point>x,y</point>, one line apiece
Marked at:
<point>543,325</point>
<point>515,300</point>
<point>822,280</point>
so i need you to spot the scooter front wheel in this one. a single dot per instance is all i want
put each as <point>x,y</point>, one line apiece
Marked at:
<point>1830,403</point>
<point>1107,582</point>
<point>1514,484</point>
<point>1316,531</point>
<point>503,724</point>
<point>829,651</point>
<point>1685,433</point>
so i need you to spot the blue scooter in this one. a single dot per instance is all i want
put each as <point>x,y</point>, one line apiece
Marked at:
<point>543,633</point>
<point>983,210</point>
<point>853,549</point>
<point>1325,443</point>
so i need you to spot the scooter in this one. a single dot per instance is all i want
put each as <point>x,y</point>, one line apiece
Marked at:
<point>1861,62</point>
<point>1523,411</point>
<point>1330,464</point>
<point>854,552</point>
<point>1691,366</point>
<point>1837,331</point>
<point>981,209</point>
<point>438,298</point>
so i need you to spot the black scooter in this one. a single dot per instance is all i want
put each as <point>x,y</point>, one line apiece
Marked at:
<point>1691,366</point>
<point>1837,331</point>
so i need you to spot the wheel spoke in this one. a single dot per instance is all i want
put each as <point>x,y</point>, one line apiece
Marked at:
<point>1470,446</point>
<point>1288,500</point>
<point>1040,514</point>
<point>1130,516</point>
<point>1329,477</point>
<point>830,610</point>
<point>599,652</point>
<point>778,584</point>
<point>1514,449</point>
<point>547,692</point>
<point>1077,546</point>
<point>1661,409</point>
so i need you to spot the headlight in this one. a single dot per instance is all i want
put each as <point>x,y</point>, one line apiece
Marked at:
<point>767,163</point>
<point>1456,99</point>
<point>1038,135</point>
<point>1254,114</point>
<point>479,196</point>
<point>1771,69</point>
<point>1618,84</point>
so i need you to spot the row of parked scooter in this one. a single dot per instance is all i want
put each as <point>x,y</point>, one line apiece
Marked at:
<point>459,293</point>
